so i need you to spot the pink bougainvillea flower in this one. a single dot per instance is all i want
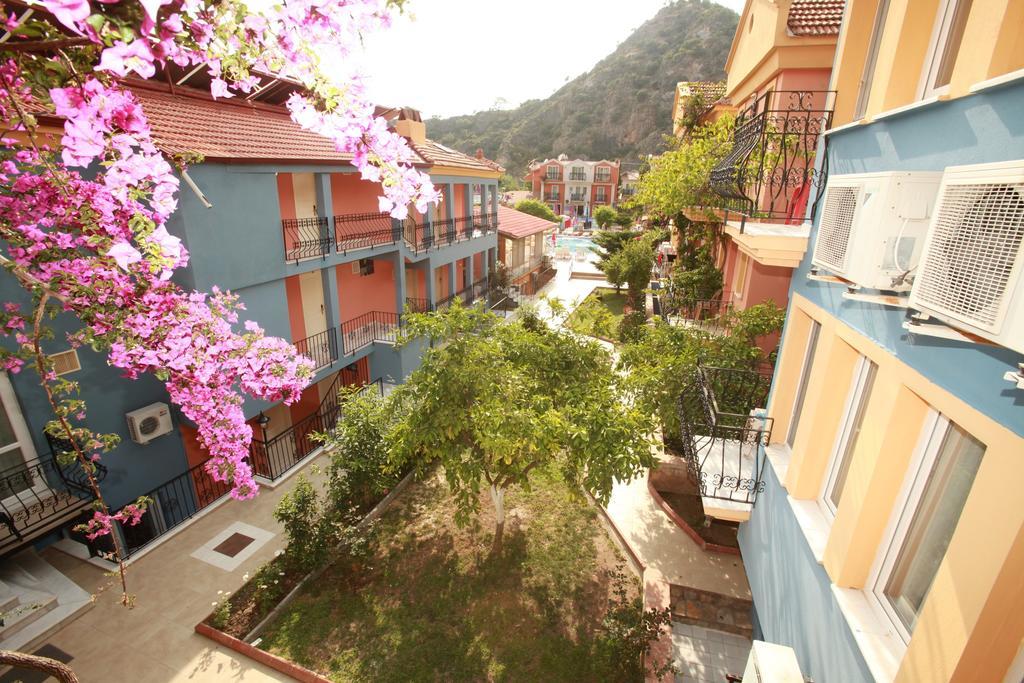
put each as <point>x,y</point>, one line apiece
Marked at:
<point>69,12</point>
<point>125,254</point>
<point>219,88</point>
<point>123,58</point>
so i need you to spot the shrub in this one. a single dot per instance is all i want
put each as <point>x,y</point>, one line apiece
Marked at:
<point>605,216</point>
<point>536,208</point>
<point>627,632</point>
<point>310,533</point>
<point>632,327</point>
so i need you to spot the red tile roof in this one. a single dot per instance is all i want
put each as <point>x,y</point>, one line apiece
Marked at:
<point>815,17</point>
<point>437,154</point>
<point>516,224</point>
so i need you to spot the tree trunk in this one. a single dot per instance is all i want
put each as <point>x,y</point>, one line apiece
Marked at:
<point>62,672</point>
<point>498,496</point>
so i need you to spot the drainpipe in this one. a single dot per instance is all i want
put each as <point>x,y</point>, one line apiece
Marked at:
<point>195,188</point>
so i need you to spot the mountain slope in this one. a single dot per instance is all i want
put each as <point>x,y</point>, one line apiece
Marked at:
<point>620,109</point>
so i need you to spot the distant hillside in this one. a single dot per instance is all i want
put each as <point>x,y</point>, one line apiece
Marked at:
<point>619,109</point>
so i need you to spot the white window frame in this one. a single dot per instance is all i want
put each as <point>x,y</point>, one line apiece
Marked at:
<point>23,439</point>
<point>867,78</point>
<point>552,173</point>
<point>810,350</point>
<point>933,433</point>
<point>936,48</point>
<point>854,398</point>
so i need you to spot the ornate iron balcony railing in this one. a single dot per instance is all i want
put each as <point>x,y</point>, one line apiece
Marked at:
<point>577,176</point>
<point>363,330</point>
<point>770,170</point>
<point>557,178</point>
<point>40,495</point>
<point>723,433</point>
<point>321,347</point>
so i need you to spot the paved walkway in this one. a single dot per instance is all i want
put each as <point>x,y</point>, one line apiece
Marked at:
<point>705,656</point>
<point>154,642</point>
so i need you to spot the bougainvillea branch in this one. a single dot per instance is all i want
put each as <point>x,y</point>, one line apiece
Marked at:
<point>83,222</point>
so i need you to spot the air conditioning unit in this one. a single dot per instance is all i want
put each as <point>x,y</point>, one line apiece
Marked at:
<point>146,424</point>
<point>970,272</point>
<point>873,226</point>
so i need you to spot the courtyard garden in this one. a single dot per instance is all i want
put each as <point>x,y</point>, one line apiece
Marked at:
<point>431,602</point>
<point>600,314</point>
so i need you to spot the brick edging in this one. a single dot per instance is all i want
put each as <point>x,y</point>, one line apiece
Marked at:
<point>681,523</point>
<point>262,656</point>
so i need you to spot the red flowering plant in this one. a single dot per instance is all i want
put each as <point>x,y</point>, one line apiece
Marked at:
<point>82,223</point>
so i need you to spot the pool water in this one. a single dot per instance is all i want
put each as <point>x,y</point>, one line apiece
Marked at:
<point>573,243</point>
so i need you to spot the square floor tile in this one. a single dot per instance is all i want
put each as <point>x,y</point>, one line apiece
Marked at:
<point>233,546</point>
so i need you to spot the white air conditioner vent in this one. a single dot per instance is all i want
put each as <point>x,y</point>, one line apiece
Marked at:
<point>834,231</point>
<point>970,273</point>
<point>146,424</point>
<point>873,225</point>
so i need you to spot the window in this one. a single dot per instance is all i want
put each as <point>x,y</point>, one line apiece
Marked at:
<point>578,173</point>
<point>600,194</point>
<point>871,60</point>
<point>849,432</point>
<point>553,172</point>
<point>603,174</point>
<point>938,484</point>
<point>805,375</point>
<point>945,46</point>
<point>16,450</point>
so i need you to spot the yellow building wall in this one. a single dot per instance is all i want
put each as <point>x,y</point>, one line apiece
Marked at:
<point>971,623</point>
<point>992,46</point>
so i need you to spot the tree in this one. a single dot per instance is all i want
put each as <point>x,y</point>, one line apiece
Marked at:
<point>85,227</point>
<point>536,208</point>
<point>610,242</point>
<point>497,401</point>
<point>632,264</point>
<point>605,216</point>
<point>679,178</point>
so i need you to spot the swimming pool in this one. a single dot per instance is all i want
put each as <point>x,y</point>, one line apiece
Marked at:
<point>573,243</point>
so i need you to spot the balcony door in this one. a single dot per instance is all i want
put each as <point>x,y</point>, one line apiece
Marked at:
<point>16,450</point>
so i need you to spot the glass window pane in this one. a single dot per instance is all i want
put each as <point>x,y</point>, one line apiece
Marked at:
<point>7,436</point>
<point>951,48</point>
<point>871,62</point>
<point>801,390</point>
<point>934,521</point>
<point>867,381</point>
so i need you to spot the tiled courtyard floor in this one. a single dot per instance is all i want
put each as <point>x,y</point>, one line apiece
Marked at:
<point>155,642</point>
<point>705,656</point>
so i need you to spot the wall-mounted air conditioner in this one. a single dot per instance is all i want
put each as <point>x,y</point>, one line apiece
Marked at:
<point>873,225</point>
<point>970,272</point>
<point>146,424</point>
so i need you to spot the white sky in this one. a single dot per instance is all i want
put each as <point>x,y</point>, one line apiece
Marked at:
<point>447,57</point>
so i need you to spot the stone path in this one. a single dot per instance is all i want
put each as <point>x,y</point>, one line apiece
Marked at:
<point>705,655</point>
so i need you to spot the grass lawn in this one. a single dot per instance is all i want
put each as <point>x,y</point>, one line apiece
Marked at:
<point>599,314</point>
<point>431,606</point>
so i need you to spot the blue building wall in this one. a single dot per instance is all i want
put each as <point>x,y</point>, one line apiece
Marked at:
<point>792,593</point>
<point>794,603</point>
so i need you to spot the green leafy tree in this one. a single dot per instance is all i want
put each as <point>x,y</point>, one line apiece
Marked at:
<point>605,216</point>
<point>679,178</point>
<point>537,208</point>
<point>633,264</point>
<point>610,242</point>
<point>495,402</point>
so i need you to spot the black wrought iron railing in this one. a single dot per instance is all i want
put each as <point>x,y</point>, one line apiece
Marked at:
<point>551,198</point>
<point>556,178</point>
<point>39,495</point>
<point>577,176</point>
<point>577,198</point>
<point>465,226</point>
<point>724,432</point>
<point>467,294</point>
<point>363,330</point>
<point>712,315</point>
<point>486,221</point>
<point>417,305</point>
<point>273,457</point>
<point>306,238</point>
<point>770,170</point>
<point>361,230</point>
<point>322,348</point>
<point>602,177</point>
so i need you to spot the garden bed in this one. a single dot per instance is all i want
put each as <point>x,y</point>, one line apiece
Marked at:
<point>432,604</point>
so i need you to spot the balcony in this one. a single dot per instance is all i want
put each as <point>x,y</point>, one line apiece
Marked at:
<point>39,496</point>
<point>362,230</point>
<point>711,315</point>
<point>363,330</point>
<point>770,172</point>
<point>552,198</point>
<point>305,238</point>
<point>467,294</point>
<point>274,456</point>
<point>556,178</point>
<point>603,178</point>
<point>322,348</point>
<point>421,237</point>
<point>724,432</point>
<point>581,176</point>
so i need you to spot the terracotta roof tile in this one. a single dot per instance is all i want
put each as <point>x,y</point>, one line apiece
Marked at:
<point>437,154</point>
<point>228,130</point>
<point>515,224</point>
<point>815,17</point>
